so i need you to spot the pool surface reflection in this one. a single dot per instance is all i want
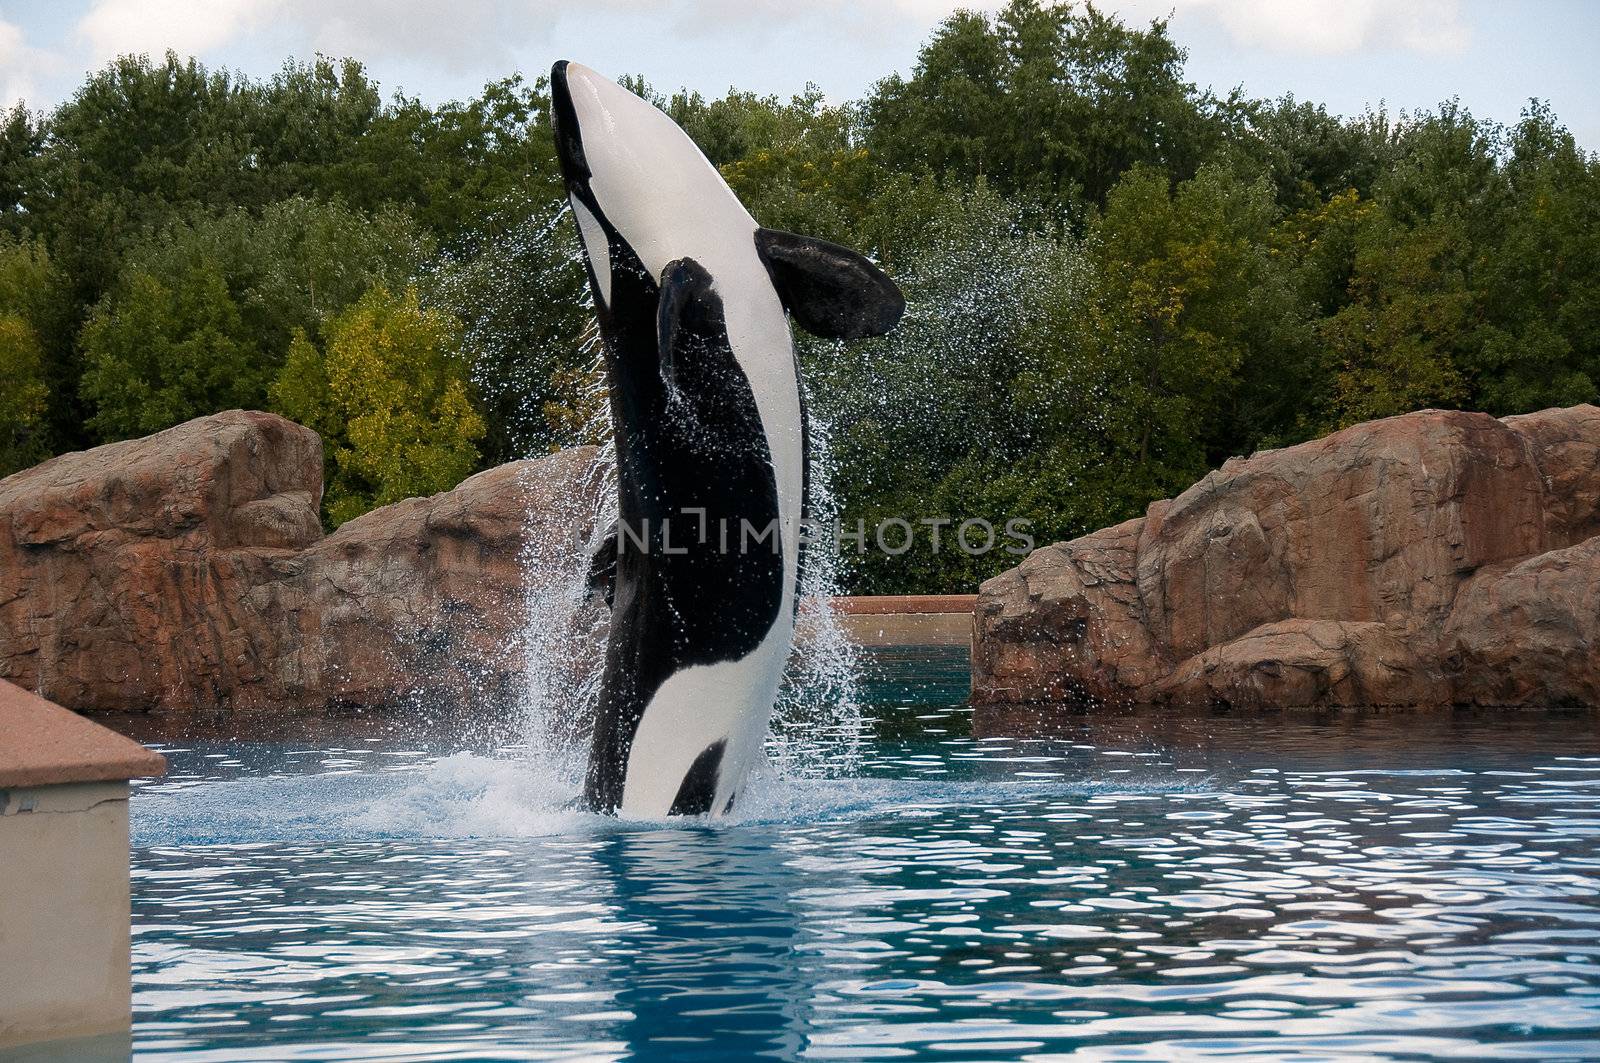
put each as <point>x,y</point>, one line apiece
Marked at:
<point>1397,887</point>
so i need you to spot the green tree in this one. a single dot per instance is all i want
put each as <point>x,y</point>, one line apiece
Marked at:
<point>163,353</point>
<point>23,395</point>
<point>21,140</point>
<point>447,163</point>
<point>920,416</point>
<point>1308,155</point>
<point>137,140</point>
<point>1156,362</point>
<point>1049,101</point>
<point>1395,347</point>
<point>1540,279</point>
<point>1187,294</point>
<point>389,395</point>
<point>205,311</point>
<point>309,126</point>
<point>1471,274</point>
<point>292,264</point>
<point>1115,280</point>
<point>33,292</point>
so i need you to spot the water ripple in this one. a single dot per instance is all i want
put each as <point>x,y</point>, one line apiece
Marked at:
<point>1340,891</point>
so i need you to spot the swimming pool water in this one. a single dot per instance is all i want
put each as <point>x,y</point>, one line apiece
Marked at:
<point>1117,888</point>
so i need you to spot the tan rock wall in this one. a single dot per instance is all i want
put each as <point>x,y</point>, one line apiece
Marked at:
<point>1399,562</point>
<point>188,572</point>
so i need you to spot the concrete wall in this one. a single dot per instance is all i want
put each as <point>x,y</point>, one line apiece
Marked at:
<point>907,620</point>
<point>907,629</point>
<point>64,955</point>
<point>63,911</point>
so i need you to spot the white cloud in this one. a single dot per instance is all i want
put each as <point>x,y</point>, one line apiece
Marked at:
<point>725,12</point>
<point>1315,27</point>
<point>1305,27</point>
<point>934,10</point>
<point>458,35</point>
<point>24,70</point>
<point>828,20</point>
<point>448,40</point>
<point>188,27</point>
<point>15,83</point>
<point>464,35</point>
<point>1323,27</point>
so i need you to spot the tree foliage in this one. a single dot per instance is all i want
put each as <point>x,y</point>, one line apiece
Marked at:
<point>22,395</point>
<point>168,351</point>
<point>389,395</point>
<point>519,286</point>
<point>1050,102</point>
<point>926,422</point>
<point>42,362</point>
<point>205,308</point>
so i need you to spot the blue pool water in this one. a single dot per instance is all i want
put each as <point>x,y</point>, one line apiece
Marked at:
<point>1112,888</point>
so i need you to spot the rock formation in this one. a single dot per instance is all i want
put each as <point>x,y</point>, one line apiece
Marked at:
<point>188,572</point>
<point>1432,559</point>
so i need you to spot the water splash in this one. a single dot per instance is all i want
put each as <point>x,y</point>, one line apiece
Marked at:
<point>469,795</point>
<point>817,725</point>
<point>501,287</point>
<point>563,625</point>
<point>817,728</point>
<point>519,286</point>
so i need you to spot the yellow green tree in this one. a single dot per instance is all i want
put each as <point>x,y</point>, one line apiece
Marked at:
<point>22,395</point>
<point>389,395</point>
<point>37,376</point>
<point>1394,348</point>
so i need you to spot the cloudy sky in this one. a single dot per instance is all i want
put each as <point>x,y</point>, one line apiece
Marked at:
<point>1494,54</point>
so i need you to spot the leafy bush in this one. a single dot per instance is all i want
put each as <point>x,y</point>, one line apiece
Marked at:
<point>389,395</point>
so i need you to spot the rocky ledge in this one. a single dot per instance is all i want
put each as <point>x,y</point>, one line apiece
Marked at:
<point>188,572</point>
<point>1431,560</point>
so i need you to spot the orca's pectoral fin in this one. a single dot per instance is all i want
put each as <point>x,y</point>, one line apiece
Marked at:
<point>831,290</point>
<point>687,317</point>
<point>603,567</point>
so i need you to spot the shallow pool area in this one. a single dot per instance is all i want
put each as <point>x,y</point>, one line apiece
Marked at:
<point>1229,887</point>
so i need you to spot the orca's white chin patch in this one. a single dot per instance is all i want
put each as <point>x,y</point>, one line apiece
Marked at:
<point>596,246</point>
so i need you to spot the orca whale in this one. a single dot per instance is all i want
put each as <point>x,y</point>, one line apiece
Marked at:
<point>693,300</point>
